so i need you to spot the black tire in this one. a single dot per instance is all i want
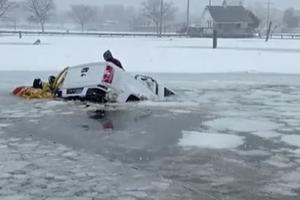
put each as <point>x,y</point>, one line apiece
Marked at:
<point>132,98</point>
<point>95,95</point>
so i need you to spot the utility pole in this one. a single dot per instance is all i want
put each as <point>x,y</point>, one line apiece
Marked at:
<point>188,16</point>
<point>268,14</point>
<point>161,17</point>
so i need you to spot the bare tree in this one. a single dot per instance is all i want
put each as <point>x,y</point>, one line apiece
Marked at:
<point>169,11</point>
<point>40,10</point>
<point>5,6</point>
<point>157,13</point>
<point>15,14</point>
<point>83,14</point>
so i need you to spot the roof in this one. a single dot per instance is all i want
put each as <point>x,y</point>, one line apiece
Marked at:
<point>230,14</point>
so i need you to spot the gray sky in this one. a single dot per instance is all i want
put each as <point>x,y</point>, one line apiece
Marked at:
<point>196,4</point>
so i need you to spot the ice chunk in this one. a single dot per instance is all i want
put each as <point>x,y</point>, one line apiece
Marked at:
<point>267,134</point>
<point>15,165</point>
<point>12,140</point>
<point>297,152</point>
<point>70,154</point>
<point>50,104</point>
<point>222,181</point>
<point>180,111</point>
<point>292,140</point>
<point>46,112</point>
<point>285,129</point>
<point>186,104</point>
<point>66,113</point>
<point>137,194</point>
<point>4,125</point>
<point>210,140</point>
<point>35,121</point>
<point>254,153</point>
<point>292,122</point>
<point>242,125</point>
<point>15,197</point>
<point>126,198</point>
<point>286,184</point>
<point>279,161</point>
<point>3,146</point>
<point>279,190</point>
<point>5,175</point>
<point>17,114</point>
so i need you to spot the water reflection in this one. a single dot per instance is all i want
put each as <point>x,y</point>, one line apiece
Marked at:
<point>139,135</point>
<point>106,124</point>
<point>97,114</point>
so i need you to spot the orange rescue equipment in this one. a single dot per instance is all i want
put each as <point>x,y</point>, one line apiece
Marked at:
<point>45,92</point>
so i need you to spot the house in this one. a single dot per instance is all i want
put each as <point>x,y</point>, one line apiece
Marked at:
<point>229,21</point>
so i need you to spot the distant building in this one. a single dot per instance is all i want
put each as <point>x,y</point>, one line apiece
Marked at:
<point>229,21</point>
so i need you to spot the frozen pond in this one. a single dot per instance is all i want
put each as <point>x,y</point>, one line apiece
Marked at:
<point>224,136</point>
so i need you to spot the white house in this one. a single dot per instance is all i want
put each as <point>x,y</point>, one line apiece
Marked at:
<point>229,21</point>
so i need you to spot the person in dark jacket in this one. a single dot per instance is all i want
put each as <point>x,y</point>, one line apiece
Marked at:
<point>108,57</point>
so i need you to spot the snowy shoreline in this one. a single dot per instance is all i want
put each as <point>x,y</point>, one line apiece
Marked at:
<point>153,54</point>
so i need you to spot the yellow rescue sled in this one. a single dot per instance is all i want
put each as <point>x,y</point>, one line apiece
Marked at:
<point>44,90</point>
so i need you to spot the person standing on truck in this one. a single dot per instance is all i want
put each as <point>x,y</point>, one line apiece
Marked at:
<point>108,57</point>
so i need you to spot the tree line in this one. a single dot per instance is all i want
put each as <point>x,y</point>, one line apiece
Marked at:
<point>291,18</point>
<point>152,13</point>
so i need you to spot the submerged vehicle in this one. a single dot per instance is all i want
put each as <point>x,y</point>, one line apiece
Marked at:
<point>105,82</point>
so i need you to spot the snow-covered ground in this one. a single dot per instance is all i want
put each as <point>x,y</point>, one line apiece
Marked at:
<point>223,136</point>
<point>152,54</point>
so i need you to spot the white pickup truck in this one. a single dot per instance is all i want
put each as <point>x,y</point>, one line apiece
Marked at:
<point>105,82</point>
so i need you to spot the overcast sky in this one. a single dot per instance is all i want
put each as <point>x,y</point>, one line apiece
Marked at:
<point>196,4</point>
